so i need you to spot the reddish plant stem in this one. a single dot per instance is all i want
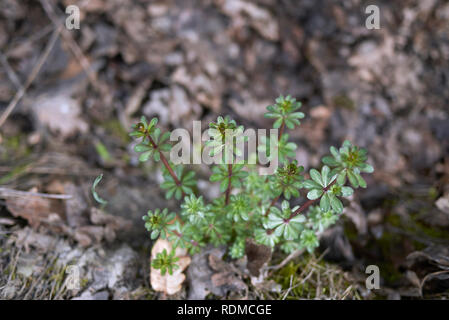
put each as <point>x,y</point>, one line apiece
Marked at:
<point>272,204</point>
<point>218,233</point>
<point>306,204</point>
<point>281,130</point>
<point>179,235</point>
<point>309,202</point>
<point>166,164</point>
<point>228,190</point>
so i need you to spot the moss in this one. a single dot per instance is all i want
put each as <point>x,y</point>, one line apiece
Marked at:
<point>412,225</point>
<point>389,273</point>
<point>103,152</point>
<point>433,194</point>
<point>433,232</point>
<point>15,147</point>
<point>16,172</point>
<point>343,101</point>
<point>115,128</point>
<point>299,280</point>
<point>350,230</point>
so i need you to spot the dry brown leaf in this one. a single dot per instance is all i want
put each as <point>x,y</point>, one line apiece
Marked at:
<point>258,17</point>
<point>32,208</point>
<point>443,203</point>
<point>61,113</point>
<point>226,275</point>
<point>169,284</point>
<point>27,237</point>
<point>85,235</point>
<point>258,255</point>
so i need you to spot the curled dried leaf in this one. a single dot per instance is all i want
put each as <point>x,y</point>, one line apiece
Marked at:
<point>169,284</point>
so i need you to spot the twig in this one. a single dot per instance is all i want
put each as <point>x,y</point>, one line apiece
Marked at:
<point>281,130</point>
<point>5,192</point>
<point>167,165</point>
<point>289,258</point>
<point>429,276</point>
<point>76,50</point>
<point>228,189</point>
<point>32,76</point>
<point>292,256</point>
<point>55,171</point>
<point>272,204</point>
<point>10,72</point>
<point>309,202</point>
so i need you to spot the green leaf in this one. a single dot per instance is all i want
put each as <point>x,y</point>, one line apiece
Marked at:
<point>367,168</point>
<point>341,179</point>
<point>310,184</point>
<point>335,203</point>
<point>142,148</point>
<point>316,176</point>
<point>157,156</point>
<point>360,180</point>
<point>145,156</point>
<point>352,179</point>
<point>325,176</point>
<point>224,185</point>
<point>309,240</point>
<point>325,202</point>
<point>94,192</point>
<point>314,194</point>
<point>347,191</point>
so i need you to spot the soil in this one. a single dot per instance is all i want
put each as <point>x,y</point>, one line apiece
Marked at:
<point>182,60</point>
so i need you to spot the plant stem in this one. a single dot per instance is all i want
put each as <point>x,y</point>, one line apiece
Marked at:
<point>228,190</point>
<point>309,202</point>
<point>272,204</point>
<point>281,130</point>
<point>166,164</point>
<point>179,235</point>
<point>306,204</point>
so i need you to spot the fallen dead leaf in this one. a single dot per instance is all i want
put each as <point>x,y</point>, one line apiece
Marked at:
<point>199,275</point>
<point>61,113</point>
<point>169,284</point>
<point>27,237</point>
<point>258,255</point>
<point>443,203</point>
<point>226,275</point>
<point>258,17</point>
<point>32,208</point>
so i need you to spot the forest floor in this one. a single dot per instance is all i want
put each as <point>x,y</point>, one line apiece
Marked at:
<point>184,60</point>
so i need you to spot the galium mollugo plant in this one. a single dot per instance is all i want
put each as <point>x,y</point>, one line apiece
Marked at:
<point>250,205</point>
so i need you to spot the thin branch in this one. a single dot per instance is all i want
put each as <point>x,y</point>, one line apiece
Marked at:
<point>32,75</point>
<point>10,72</point>
<point>166,164</point>
<point>76,50</point>
<point>309,202</point>
<point>306,204</point>
<point>228,190</point>
<point>6,192</point>
<point>281,130</point>
<point>179,235</point>
<point>272,204</point>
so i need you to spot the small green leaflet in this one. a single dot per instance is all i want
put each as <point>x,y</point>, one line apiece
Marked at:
<point>95,194</point>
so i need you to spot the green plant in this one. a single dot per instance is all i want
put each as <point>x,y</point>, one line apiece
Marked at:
<point>248,205</point>
<point>94,192</point>
<point>165,261</point>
